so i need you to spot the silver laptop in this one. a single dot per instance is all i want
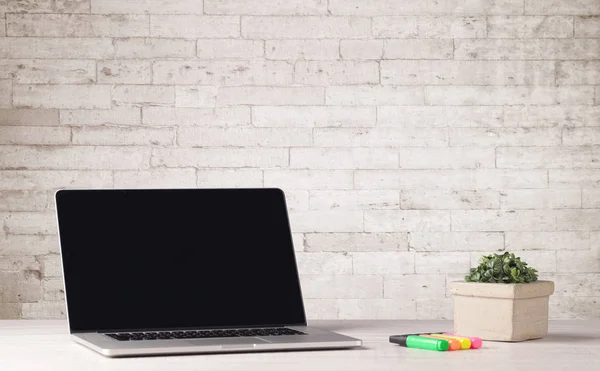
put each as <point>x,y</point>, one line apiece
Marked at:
<point>175,271</point>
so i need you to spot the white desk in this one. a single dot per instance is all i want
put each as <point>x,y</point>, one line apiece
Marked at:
<point>571,345</point>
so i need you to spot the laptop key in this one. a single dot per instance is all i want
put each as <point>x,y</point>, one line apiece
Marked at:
<point>201,334</point>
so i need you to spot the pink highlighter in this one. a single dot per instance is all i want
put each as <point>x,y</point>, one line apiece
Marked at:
<point>475,341</point>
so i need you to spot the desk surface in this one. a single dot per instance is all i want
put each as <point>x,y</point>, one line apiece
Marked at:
<point>571,345</point>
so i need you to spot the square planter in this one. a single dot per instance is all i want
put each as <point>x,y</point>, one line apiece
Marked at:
<point>502,312</point>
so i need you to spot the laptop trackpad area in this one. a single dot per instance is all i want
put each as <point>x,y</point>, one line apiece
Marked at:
<point>228,342</point>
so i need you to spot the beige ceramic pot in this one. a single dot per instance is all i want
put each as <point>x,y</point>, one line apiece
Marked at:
<point>501,312</point>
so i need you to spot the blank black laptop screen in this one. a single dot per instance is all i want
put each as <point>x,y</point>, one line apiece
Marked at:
<point>169,259</point>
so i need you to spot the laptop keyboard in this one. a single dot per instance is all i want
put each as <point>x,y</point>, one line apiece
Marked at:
<point>203,334</point>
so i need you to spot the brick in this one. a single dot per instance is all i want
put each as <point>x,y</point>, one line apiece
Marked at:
<point>540,199</point>
<point>72,158</point>
<point>374,95</point>
<point>361,49</point>
<point>587,26</point>
<point>590,199</point>
<point>378,309</point>
<point>122,136</point>
<point>411,179</point>
<point>298,241</point>
<point>197,96</point>
<point>40,71</point>
<point>583,7</point>
<point>576,285</point>
<point>580,261</point>
<point>417,49</point>
<point>120,116</point>
<point>54,179</point>
<point>77,25</point>
<point>194,26</point>
<point>44,310</point>
<point>257,7</point>
<point>321,308</point>
<point>392,7</point>
<point>414,286</point>
<point>313,116</point>
<point>495,220</point>
<point>156,178</point>
<point>436,199</point>
<point>149,48</point>
<point>222,72</point>
<point>2,33</point>
<point>525,27</point>
<point>296,200</point>
<point>143,94</point>
<point>353,200</point>
<point>37,6</point>
<point>507,137</point>
<point>456,241</point>
<point>336,73</point>
<point>439,309</point>
<point>29,222</point>
<point>526,49</point>
<point>548,241</point>
<point>6,92</point>
<point>434,27</point>
<point>10,310</point>
<point>406,220</point>
<point>20,287</point>
<point>509,179</point>
<point>71,6</point>
<point>324,263</point>
<point>47,47</point>
<point>61,96</point>
<point>356,241</point>
<point>552,116</point>
<point>53,289</point>
<point>309,179</point>
<point>341,286</point>
<point>27,117</point>
<point>578,72</point>
<point>574,95</point>
<point>547,157</point>
<point>450,116</point>
<point>229,178</point>
<point>442,263</point>
<point>211,117</point>
<point>343,158</point>
<point>578,178</point>
<point>19,263</point>
<point>577,220</point>
<point>147,6</point>
<point>327,221</point>
<point>383,262</point>
<point>34,135</point>
<point>230,49</point>
<point>467,72</point>
<point>23,201</point>
<point>493,95</point>
<point>446,158</point>
<point>220,157</point>
<point>380,137</point>
<point>302,49</point>
<point>307,27</point>
<point>266,95</point>
<point>124,72</point>
<point>243,137</point>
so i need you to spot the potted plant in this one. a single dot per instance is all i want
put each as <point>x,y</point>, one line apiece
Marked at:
<point>502,300</point>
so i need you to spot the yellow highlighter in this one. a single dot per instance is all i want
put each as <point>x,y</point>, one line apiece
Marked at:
<point>464,342</point>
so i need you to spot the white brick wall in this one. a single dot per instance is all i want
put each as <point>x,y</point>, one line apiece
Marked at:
<point>410,136</point>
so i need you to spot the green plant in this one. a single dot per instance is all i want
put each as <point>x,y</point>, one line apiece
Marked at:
<point>505,268</point>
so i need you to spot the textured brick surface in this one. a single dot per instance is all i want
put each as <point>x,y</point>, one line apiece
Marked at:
<point>410,137</point>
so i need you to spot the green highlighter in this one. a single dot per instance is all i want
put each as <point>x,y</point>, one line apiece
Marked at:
<point>416,341</point>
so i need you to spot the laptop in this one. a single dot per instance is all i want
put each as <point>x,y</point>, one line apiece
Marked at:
<point>173,271</point>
